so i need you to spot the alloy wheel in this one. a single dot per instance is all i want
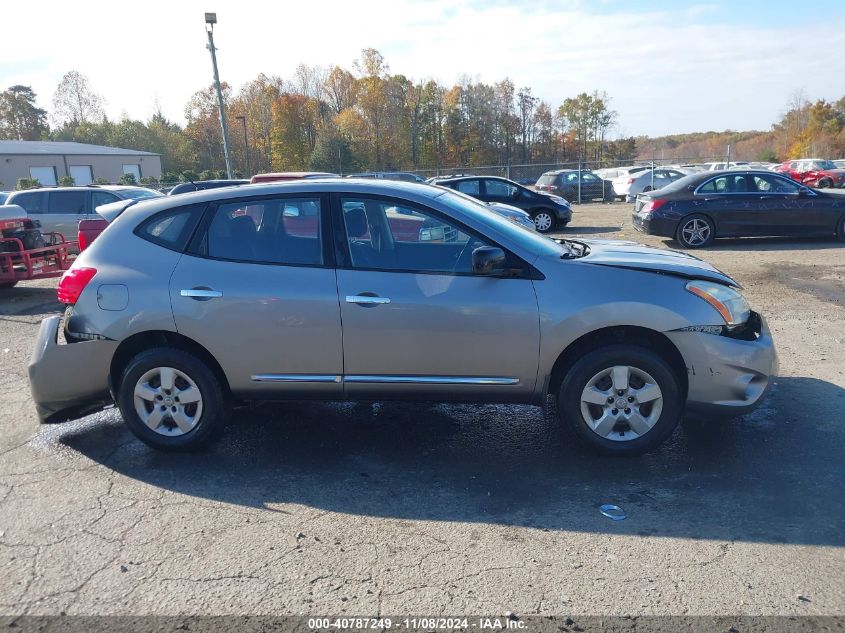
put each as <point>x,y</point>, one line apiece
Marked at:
<point>168,401</point>
<point>621,403</point>
<point>696,232</point>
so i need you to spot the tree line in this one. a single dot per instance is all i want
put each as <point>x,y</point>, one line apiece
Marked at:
<point>368,118</point>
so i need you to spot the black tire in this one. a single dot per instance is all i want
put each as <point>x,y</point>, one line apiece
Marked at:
<point>214,402</point>
<point>840,229</point>
<point>685,239</point>
<point>544,220</point>
<point>824,183</point>
<point>569,404</point>
<point>8,284</point>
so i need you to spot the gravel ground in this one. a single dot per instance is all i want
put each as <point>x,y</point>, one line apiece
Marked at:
<point>444,509</point>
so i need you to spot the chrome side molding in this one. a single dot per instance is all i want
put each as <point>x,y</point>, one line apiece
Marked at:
<point>295,378</point>
<point>398,380</point>
<point>433,380</point>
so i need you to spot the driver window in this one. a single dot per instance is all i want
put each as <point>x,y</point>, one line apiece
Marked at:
<point>387,236</point>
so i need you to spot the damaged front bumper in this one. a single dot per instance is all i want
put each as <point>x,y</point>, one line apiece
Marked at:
<point>71,380</point>
<point>727,375</point>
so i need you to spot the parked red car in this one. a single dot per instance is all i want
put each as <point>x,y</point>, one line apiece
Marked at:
<point>814,172</point>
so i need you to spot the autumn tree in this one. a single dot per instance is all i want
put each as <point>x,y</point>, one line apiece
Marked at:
<point>340,89</point>
<point>203,128</point>
<point>20,118</point>
<point>291,149</point>
<point>75,101</point>
<point>255,103</point>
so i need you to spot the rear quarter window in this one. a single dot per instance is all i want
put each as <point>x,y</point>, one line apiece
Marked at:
<point>172,228</point>
<point>31,201</point>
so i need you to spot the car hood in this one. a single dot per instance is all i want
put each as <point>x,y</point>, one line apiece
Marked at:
<point>508,210</point>
<point>634,256</point>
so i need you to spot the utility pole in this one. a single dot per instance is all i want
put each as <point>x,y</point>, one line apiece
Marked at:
<point>210,21</point>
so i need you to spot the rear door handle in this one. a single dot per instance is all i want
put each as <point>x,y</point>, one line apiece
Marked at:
<point>201,294</point>
<point>363,299</point>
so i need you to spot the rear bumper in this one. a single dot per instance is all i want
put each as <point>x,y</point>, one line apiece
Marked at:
<point>68,381</point>
<point>651,225</point>
<point>726,376</point>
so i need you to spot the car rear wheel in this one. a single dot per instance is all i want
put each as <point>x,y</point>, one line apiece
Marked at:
<point>620,400</point>
<point>543,221</point>
<point>8,284</point>
<point>171,400</point>
<point>695,231</point>
<point>824,183</point>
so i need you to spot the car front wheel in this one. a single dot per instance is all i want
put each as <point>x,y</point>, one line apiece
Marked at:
<point>620,400</point>
<point>543,221</point>
<point>695,231</point>
<point>824,183</point>
<point>171,400</point>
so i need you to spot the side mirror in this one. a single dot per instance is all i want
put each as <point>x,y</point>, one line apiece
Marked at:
<point>487,260</point>
<point>515,194</point>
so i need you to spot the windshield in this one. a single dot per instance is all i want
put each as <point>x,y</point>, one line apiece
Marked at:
<point>140,194</point>
<point>531,240</point>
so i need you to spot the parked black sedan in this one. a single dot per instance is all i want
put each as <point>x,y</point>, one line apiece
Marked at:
<point>564,183</point>
<point>738,203</point>
<point>548,211</point>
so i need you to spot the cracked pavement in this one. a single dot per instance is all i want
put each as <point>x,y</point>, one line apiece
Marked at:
<point>388,508</point>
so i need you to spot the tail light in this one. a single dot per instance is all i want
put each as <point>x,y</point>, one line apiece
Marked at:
<point>73,282</point>
<point>83,241</point>
<point>631,181</point>
<point>653,205</point>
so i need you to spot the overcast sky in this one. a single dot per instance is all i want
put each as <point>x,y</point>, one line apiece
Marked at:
<point>668,66</point>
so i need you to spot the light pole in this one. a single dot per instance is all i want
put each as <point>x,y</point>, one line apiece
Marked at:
<point>210,21</point>
<point>242,119</point>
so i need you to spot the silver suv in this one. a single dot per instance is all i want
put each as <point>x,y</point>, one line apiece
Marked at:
<point>368,290</point>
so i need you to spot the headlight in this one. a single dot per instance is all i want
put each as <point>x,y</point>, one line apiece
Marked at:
<point>728,302</point>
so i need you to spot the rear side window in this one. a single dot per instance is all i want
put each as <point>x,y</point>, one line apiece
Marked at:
<point>469,187</point>
<point>31,201</point>
<point>70,202</point>
<point>267,231</point>
<point>172,228</point>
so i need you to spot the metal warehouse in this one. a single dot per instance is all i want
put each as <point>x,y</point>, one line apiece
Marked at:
<point>48,161</point>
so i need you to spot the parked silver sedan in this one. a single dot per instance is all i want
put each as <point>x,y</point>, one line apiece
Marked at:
<point>345,289</point>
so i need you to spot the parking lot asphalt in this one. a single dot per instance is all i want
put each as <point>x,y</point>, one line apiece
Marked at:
<point>385,508</point>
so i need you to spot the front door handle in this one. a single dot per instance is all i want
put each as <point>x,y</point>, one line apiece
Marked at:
<point>200,294</point>
<point>366,299</point>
